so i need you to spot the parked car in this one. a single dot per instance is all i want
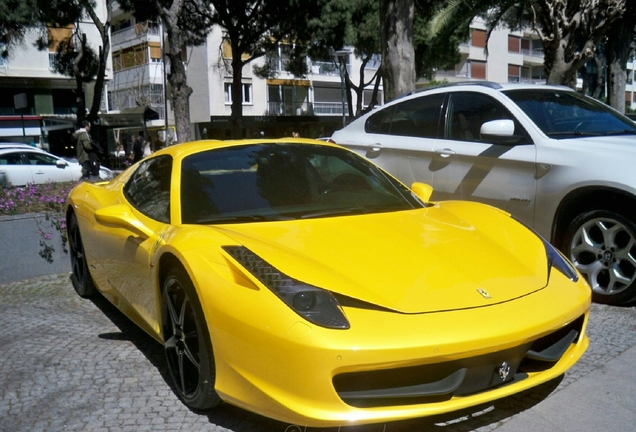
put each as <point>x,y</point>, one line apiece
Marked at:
<point>295,279</point>
<point>21,164</point>
<point>559,162</point>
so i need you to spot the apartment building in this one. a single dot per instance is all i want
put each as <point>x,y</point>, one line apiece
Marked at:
<point>38,105</point>
<point>512,56</point>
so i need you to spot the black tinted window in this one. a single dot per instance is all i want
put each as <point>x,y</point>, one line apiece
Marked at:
<point>418,117</point>
<point>565,114</point>
<point>468,111</point>
<point>148,189</point>
<point>253,183</point>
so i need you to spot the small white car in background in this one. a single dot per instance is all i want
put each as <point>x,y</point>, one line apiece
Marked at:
<point>21,164</point>
<point>558,161</point>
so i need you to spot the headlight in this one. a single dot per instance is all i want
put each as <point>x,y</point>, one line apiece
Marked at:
<point>555,258</point>
<point>558,261</point>
<point>314,304</point>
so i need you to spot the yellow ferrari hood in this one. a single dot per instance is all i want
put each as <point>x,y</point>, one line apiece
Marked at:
<point>413,261</point>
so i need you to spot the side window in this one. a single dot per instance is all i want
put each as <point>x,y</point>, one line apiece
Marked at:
<point>148,189</point>
<point>40,159</point>
<point>468,111</point>
<point>380,122</point>
<point>11,159</point>
<point>418,117</point>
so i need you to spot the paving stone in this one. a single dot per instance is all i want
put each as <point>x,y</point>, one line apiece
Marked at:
<point>79,365</point>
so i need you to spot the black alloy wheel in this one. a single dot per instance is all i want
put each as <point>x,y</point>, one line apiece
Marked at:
<point>80,276</point>
<point>187,343</point>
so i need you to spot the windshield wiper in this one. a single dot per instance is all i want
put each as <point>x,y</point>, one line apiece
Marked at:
<point>336,212</point>
<point>621,132</point>
<point>574,134</point>
<point>242,218</point>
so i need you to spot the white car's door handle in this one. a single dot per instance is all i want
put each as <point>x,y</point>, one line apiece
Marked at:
<point>446,152</point>
<point>373,150</point>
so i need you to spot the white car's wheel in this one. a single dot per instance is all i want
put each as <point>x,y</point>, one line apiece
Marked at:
<point>602,246</point>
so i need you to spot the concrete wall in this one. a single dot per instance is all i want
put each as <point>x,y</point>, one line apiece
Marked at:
<point>20,246</point>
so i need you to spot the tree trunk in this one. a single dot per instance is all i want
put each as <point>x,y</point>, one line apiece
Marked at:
<point>237,93</point>
<point>617,53</point>
<point>398,55</point>
<point>179,95</point>
<point>104,51</point>
<point>179,90</point>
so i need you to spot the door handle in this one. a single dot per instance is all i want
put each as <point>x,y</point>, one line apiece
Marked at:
<point>446,152</point>
<point>373,150</point>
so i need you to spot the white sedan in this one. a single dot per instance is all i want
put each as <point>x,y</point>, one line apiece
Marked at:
<point>21,165</point>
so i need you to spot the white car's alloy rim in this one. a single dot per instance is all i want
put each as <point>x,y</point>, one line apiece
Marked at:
<point>604,251</point>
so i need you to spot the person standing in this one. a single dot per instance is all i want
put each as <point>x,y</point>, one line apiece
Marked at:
<point>86,151</point>
<point>136,150</point>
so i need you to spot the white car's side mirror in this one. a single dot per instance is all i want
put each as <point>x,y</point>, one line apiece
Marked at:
<point>498,128</point>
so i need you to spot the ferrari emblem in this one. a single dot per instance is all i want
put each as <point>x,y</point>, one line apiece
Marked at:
<point>483,292</point>
<point>504,371</point>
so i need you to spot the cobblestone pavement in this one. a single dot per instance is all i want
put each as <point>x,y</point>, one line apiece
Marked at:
<point>68,364</point>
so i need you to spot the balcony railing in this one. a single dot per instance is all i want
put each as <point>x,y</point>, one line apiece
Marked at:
<point>532,52</point>
<point>289,108</point>
<point>132,33</point>
<point>330,108</point>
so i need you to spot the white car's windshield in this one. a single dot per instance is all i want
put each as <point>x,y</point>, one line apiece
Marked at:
<point>262,182</point>
<point>565,114</point>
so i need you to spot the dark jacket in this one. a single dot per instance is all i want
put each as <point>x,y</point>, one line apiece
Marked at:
<point>83,145</point>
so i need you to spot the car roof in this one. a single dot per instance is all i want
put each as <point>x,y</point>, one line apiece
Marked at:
<point>12,145</point>
<point>463,85</point>
<point>191,147</point>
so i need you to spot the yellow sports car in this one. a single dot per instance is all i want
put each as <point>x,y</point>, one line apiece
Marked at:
<point>295,279</point>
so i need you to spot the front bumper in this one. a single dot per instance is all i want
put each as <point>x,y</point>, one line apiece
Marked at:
<point>290,370</point>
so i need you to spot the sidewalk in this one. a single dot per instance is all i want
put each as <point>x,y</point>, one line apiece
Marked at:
<point>604,400</point>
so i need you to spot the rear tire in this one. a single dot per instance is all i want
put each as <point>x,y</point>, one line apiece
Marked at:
<point>187,343</point>
<point>80,276</point>
<point>602,246</point>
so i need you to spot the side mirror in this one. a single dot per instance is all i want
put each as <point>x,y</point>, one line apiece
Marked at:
<point>120,216</point>
<point>499,132</point>
<point>61,163</point>
<point>422,190</point>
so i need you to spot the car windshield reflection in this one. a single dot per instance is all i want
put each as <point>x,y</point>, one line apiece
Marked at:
<point>269,182</point>
<point>564,114</point>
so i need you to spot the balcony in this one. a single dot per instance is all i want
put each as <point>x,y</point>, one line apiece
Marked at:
<point>330,108</point>
<point>289,109</point>
<point>133,33</point>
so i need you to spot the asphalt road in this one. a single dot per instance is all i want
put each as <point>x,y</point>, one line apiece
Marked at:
<point>68,364</point>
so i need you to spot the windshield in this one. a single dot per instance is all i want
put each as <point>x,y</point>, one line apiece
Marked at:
<point>565,114</point>
<point>262,182</point>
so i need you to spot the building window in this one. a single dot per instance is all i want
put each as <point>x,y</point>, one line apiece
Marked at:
<point>477,69</point>
<point>247,94</point>
<point>514,73</point>
<point>514,44</point>
<point>478,38</point>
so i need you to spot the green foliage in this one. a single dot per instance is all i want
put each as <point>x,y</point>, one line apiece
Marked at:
<point>436,50</point>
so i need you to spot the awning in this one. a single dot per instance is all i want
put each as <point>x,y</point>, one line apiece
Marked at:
<point>137,116</point>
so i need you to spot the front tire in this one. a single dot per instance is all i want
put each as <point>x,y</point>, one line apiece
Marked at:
<point>602,246</point>
<point>80,276</point>
<point>187,343</point>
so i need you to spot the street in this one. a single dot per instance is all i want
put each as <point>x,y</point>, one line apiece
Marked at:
<point>79,365</point>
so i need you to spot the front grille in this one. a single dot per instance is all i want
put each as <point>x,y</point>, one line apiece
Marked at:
<point>442,381</point>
